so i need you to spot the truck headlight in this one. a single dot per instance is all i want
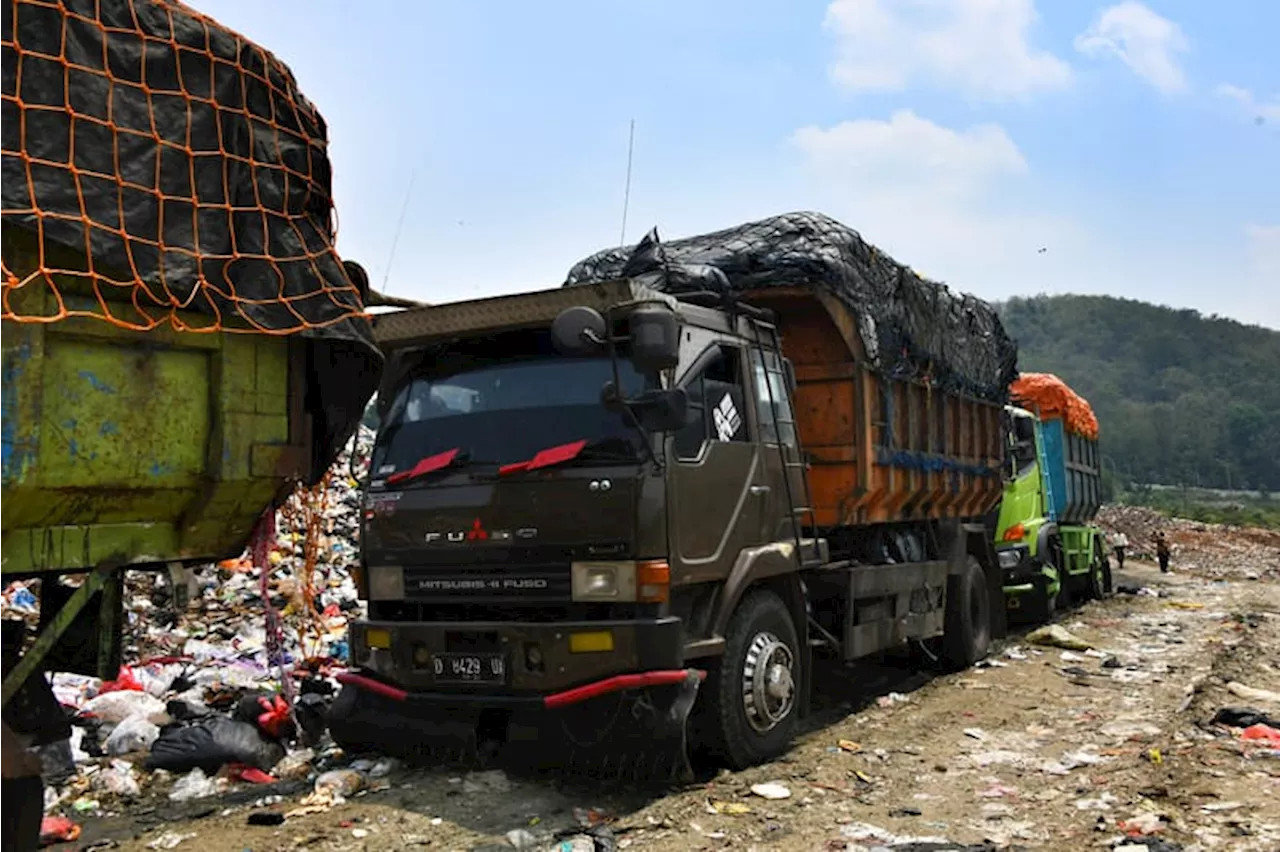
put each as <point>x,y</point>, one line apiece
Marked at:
<point>1009,558</point>
<point>604,581</point>
<point>386,583</point>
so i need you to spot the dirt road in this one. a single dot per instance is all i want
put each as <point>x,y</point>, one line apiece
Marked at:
<point>1039,748</point>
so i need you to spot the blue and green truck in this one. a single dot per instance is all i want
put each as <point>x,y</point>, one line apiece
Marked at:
<point>1050,551</point>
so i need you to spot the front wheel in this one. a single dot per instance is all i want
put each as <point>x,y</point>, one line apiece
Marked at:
<point>753,694</point>
<point>1098,571</point>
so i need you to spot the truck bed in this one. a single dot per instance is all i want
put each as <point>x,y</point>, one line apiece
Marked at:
<point>880,450</point>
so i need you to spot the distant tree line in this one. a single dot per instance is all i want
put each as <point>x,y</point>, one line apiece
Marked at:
<point>1181,398</point>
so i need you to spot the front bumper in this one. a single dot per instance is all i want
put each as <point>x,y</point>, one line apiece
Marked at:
<point>539,659</point>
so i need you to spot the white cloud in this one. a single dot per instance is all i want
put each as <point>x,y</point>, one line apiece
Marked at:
<point>979,47</point>
<point>930,196</point>
<point>1260,111</point>
<point>1143,40</point>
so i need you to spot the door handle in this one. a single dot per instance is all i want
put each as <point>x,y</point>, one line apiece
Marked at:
<point>757,490</point>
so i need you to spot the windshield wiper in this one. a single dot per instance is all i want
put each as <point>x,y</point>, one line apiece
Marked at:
<point>562,454</point>
<point>430,464</point>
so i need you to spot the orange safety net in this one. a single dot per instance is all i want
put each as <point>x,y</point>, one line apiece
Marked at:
<point>1054,400</point>
<point>175,163</point>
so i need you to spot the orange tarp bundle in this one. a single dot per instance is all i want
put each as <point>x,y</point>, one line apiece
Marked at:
<point>1050,396</point>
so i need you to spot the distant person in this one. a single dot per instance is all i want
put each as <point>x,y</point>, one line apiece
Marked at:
<point>1162,552</point>
<point>1119,542</point>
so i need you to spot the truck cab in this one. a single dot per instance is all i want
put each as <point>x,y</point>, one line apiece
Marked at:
<point>1049,551</point>
<point>1024,530</point>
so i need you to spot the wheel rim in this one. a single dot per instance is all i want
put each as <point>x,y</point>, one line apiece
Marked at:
<point>768,682</point>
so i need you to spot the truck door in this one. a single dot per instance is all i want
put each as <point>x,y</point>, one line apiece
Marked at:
<point>779,450</point>
<point>714,510</point>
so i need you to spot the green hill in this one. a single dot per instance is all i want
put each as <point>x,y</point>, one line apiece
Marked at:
<point>1181,398</point>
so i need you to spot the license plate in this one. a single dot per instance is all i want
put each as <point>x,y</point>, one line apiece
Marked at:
<point>470,668</point>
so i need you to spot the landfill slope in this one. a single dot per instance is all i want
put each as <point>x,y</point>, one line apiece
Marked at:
<point>1137,732</point>
<point>910,327</point>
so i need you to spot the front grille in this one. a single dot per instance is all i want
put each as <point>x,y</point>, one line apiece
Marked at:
<point>407,612</point>
<point>523,583</point>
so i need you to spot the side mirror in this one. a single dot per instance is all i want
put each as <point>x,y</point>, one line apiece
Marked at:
<point>656,410</point>
<point>579,331</point>
<point>663,411</point>
<point>654,339</point>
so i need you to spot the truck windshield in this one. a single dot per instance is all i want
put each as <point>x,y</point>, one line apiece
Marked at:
<point>506,411</point>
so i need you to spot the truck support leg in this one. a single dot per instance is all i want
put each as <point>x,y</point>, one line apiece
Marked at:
<point>31,661</point>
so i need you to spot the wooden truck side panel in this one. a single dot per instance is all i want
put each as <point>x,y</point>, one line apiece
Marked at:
<point>880,450</point>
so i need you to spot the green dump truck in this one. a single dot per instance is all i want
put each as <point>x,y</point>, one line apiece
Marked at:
<point>182,345</point>
<point>1049,550</point>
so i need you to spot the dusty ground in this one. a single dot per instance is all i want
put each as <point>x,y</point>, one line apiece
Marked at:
<point>1038,750</point>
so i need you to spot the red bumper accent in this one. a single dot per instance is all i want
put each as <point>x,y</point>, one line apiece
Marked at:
<point>578,694</point>
<point>617,683</point>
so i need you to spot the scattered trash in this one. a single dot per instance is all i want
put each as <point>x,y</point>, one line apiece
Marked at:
<point>891,699</point>
<point>521,839</point>
<point>1257,696</point>
<point>1243,717</point>
<point>194,785</point>
<point>211,743</point>
<point>1057,636</point>
<point>56,829</point>
<point>340,783</point>
<point>976,733</point>
<point>169,840</point>
<point>1264,734</point>
<point>729,808</point>
<point>771,790</point>
<point>131,735</point>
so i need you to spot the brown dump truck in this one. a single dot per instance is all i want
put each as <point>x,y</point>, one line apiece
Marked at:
<point>606,517</point>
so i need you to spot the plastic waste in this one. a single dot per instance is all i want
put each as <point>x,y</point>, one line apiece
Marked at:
<point>1264,734</point>
<point>1057,636</point>
<point>117,778</point>
<point>125,681</point>
<point>114,707</point>
<point>341,782</point>
<point>133,734</point>
<point>58,829</point>
<point>210,743</point>
<point>193,785</point>
<point>772,790</point>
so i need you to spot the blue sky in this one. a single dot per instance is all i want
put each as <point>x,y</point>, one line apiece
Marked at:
<point>1138,144</point>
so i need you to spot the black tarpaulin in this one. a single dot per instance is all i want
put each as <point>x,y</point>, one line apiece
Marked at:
<point>910,327</point>
<point>183,162</point>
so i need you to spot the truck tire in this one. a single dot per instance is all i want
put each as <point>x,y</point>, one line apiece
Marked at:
<point>967,633</point>
<point>752,695</point>
<point>1098,570</point>
<point>1043,604</point>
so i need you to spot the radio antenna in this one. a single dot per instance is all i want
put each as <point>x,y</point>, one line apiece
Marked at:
<point>395,239</point>
<point>626,193</point>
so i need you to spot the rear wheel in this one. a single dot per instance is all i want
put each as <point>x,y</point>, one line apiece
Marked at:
<point>967,634</point>
<point>753,694</point>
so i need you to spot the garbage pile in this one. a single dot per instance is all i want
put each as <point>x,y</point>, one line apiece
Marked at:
<point>204,700</point>
<point>1215,551</point>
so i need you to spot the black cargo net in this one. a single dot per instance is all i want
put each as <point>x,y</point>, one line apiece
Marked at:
<point>911,327</point>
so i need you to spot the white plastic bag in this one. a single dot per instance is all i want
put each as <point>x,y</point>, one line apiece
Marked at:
<point>133,734</point>
<point>114,707</point>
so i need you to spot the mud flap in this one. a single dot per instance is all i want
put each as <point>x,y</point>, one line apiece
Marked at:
<point>632,736</point>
